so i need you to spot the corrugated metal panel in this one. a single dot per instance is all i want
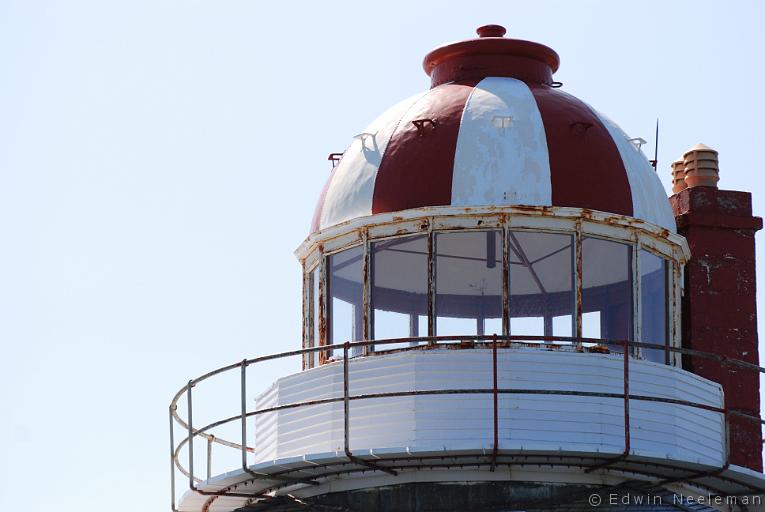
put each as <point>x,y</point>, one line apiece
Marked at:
<point>526,422</point>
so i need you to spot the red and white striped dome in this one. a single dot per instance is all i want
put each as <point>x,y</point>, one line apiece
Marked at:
<point>492,130</point>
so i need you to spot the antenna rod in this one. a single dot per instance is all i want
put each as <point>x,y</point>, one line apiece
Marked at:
<point>655,161</point>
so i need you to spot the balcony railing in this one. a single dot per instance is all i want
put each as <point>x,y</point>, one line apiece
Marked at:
<point>493,343</point>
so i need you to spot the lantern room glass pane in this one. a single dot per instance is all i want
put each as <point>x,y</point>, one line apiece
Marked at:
<point>468,283</point>
<point>346,295</point>
<point>399,288</point>
<point>653,304</point>
<point>541,283</point>
<point>607,290</point>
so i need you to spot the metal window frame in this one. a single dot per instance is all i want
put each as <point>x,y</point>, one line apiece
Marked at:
<point>325,292</point>
<point>369,285</point>
<point>575,277</point>
<point>366,296</point>
<point>313,317</point>
<point>308,311</point>
<point>633,269</point>
<point>307,316</point>
<point>578,223</point>
<point>670,296</point>
<point>324,310</point>
<point>433,282</point>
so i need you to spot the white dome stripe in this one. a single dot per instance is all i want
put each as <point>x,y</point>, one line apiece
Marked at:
<point>649,200</point>
<point>353,180</point>
<point>501,155</point>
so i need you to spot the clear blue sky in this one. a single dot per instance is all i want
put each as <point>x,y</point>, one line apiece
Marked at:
<point>159,162</point>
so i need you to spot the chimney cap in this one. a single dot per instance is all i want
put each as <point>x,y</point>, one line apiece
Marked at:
<point>701,167</point>
<point>700,148</point>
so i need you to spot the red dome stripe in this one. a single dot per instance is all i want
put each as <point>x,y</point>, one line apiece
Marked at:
<point>584,159</point>
<point>418,164</point>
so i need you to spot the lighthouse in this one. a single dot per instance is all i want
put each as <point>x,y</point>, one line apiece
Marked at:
<point>503,309</point>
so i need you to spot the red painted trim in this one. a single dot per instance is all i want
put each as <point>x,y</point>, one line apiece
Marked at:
<point>491,56</point>
<point>718,221</point>
<point>586,169</point>
<point>418,164</point>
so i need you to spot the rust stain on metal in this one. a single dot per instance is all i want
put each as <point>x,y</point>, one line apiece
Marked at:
<point>323,355</point>
<point>449,212</point>
<point>676,307</point>
<point>468,218</point>
<point>307,316</point>
<point>431,286</point>
<point>366,317</point>
<point>579,278</point>
<point>505,284</point>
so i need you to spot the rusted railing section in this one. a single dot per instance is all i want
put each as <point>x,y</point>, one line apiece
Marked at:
<point>428,342</point>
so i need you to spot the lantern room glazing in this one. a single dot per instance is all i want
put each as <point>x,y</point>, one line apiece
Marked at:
<point>584,279</point>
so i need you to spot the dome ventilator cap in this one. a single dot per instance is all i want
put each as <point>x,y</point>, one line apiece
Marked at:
<point>678,176</point>
<point>701,165</point>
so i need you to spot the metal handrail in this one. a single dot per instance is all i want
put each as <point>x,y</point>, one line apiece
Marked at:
<point>476,341</point>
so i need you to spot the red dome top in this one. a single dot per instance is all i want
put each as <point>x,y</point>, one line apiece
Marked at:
<point>491,55</point>
<point>493,130</point>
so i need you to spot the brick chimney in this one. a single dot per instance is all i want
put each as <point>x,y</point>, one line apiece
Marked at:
<point>719,309</point>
